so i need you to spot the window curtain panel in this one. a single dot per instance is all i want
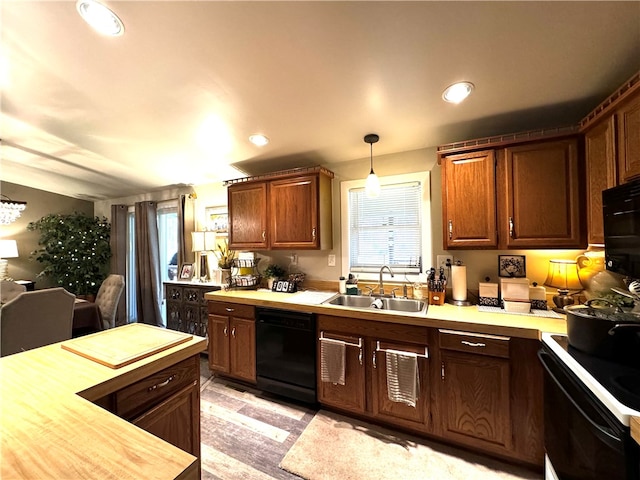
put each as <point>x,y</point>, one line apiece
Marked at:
<point>119,255</point>
<point>148,284</point>
<point>186,225</point>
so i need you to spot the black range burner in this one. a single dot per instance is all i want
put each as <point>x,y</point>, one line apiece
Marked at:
<point>621,380</point>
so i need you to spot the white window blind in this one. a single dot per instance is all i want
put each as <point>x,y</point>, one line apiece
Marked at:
<point>386,230</point>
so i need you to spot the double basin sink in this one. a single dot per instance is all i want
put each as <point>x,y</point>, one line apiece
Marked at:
<point>378,303</point>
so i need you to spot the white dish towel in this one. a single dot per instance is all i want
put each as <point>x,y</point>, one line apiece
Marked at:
<point>332,360</point>
<point>402,377</point>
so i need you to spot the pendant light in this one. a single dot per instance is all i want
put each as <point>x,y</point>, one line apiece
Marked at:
<point>372,187</point>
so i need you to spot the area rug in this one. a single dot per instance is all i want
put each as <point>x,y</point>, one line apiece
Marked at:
<point>334,447</point>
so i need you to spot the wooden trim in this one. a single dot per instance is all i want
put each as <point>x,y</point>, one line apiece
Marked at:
<point>611,102</point>
<point>507,139</point>
<point>280,174</point>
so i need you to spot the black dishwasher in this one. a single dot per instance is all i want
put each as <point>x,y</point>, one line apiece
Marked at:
<point>286,353</point>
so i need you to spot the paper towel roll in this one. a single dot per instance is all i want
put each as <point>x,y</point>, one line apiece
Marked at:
<point>459,282</point>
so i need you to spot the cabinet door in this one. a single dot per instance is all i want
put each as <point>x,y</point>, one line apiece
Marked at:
<point>600,153</point>
<point>628,117</point>
<point>174,316</point>
<point>243,349</point>
<point>219,343</point>
<point>294,213</point>
<point>248,216</point>
<point>541,189</point>
<point>469,200</point>
<point>350,396</point>
<point>382,406</point>
<point>474,399</point>
<point>176,420</point>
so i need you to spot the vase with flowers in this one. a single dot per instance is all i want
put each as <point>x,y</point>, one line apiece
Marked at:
<point>226,258</point>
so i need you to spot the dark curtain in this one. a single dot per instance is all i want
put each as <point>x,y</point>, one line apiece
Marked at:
<point>148,284</point>
<point>119,255</point>
<point>186,225</point>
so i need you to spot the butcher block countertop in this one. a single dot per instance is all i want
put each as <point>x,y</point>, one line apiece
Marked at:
<point>50,429</point>
<point>439,316</point>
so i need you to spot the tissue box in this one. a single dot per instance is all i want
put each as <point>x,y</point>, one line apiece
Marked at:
<point>488,294</point>
<point>516,306</point>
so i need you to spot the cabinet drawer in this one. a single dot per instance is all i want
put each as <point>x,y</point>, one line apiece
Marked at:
<point>232,309</point>
<point>477,343</point>
<point>136,398</point>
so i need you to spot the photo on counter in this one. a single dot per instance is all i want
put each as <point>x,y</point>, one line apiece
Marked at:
<point>512,266</point>
<point>186,271</point>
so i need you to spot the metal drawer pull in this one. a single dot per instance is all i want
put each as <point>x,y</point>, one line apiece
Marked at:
<point>471,344</point>
<point>229,309</point>
<point>161,384</point>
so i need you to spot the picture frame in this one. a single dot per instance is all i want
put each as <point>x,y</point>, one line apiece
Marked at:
<point>217,219</point>
<point>512,266</point>
<point>186,271</point>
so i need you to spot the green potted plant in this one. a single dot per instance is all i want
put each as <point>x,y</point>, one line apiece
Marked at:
<point>273,272</point>
<point>75,251</point>
<point>226,258</point>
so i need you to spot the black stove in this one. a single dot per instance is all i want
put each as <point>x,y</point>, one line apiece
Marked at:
<point>621,380</point>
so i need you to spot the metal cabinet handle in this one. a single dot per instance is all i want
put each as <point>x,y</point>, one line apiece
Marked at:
<point>313,233</point>
<point>161,384</point>
<point>471,344</point>
<point>229,309</point>
<point>226,331</point>
<point>511,227</point>
<point>360,356</point>
<point>450,229</point>
<point>233,332</point>
<point>375,365</point>
<point>264,235</point>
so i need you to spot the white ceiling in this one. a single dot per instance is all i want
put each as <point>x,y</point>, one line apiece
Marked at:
<point>95,117</point>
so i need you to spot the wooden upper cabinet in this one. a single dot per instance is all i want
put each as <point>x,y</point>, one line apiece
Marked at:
<point>294,212</point>
<point>628,127</point>
<point>469,200</point>
<point>612,149</point>
<point>541,195</point>
<point>283,211</point>
<point>600,154</point>
<point>247,203</point>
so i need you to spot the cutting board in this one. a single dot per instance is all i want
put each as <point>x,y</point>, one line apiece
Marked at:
<point>121,346</point>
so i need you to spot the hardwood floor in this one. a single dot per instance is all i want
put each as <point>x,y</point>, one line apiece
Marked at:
<point>245,433</point>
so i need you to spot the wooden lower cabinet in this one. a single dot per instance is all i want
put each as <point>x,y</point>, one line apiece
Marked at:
<point>365,388</point>
<point>186,307</point>
<point>479,391</point>
<point>166,404</point>
<point>232,340</point>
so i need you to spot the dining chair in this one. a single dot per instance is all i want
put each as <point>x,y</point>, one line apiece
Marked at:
<point>9,290</point>
<point>34,319</point>
<point>108,297</point>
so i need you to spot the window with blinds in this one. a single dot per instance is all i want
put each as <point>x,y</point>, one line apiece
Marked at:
<point>386,230</point>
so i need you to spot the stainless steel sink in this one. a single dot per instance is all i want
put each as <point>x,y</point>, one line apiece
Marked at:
<point>364,301</point>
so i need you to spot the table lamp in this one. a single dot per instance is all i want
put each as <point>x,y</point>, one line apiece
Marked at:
<point>8,249</point>
<point>563,275</point>
<point>203,242</point>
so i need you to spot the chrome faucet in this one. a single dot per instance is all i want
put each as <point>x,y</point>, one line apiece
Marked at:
<point>381,284</point>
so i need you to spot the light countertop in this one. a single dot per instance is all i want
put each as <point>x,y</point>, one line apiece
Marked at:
<point>438,316</point>
<point>50,429</point>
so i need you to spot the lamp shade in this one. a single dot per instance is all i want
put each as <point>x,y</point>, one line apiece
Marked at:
<point>197,241</point>
<point>209,241</point>
<point>8,249</point>
<point>563,274</point>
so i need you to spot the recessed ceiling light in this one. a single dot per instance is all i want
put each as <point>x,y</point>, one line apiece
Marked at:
<point>457,92</point>
<point>100,18</point>
<point>259,140</point>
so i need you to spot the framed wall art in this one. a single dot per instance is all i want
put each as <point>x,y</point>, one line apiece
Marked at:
<point>513,266</point>
<point>217,219</point>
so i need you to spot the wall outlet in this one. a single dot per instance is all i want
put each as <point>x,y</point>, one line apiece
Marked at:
<point>441,261</point>
<point>331,260</point>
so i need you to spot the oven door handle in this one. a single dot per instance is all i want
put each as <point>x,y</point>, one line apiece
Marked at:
<point>604,434</point>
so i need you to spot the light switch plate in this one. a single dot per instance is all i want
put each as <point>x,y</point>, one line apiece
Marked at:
<point>331,261</point>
